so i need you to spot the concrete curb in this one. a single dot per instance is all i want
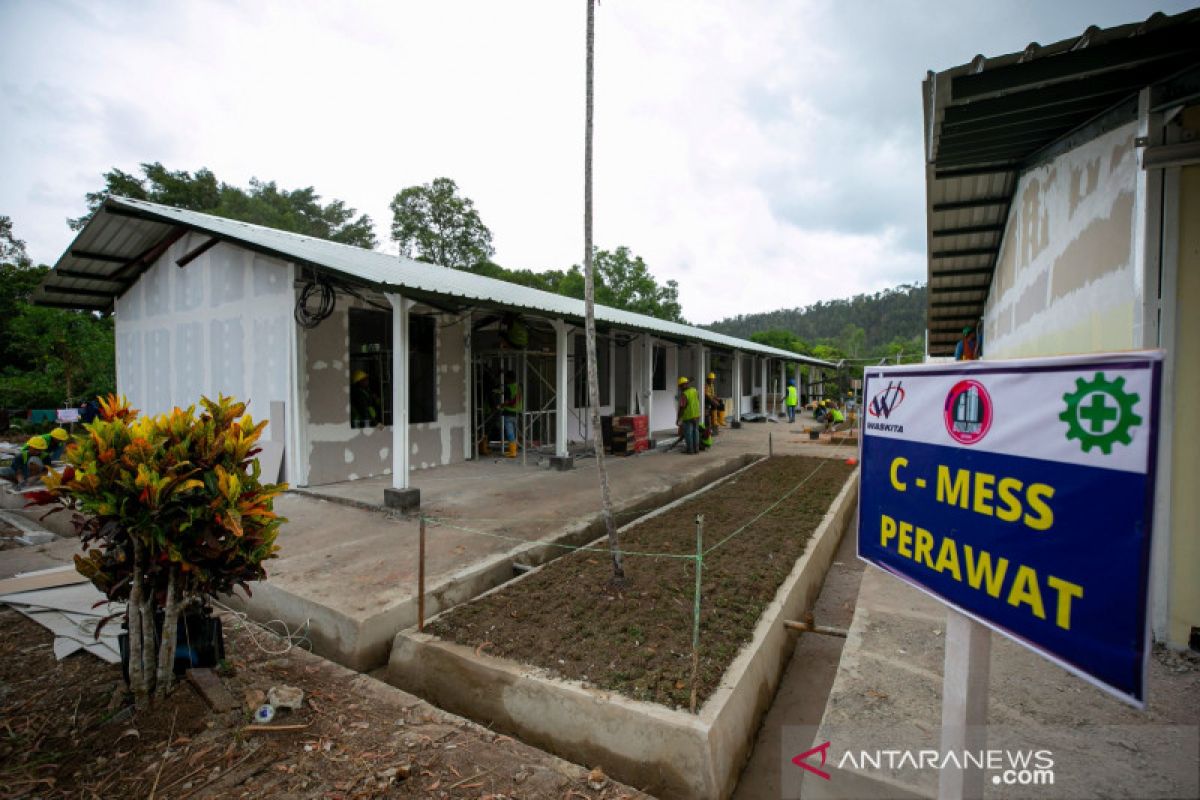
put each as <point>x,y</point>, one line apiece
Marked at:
<point>673,754</point>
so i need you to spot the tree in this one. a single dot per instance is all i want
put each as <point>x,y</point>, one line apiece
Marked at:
<point>434,223</point>
<point>782,340</point>
<point>48,356</point>
<point>297,210</point>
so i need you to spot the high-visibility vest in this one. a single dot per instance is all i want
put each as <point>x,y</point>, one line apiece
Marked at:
<point>792,400</point>
<point>691,408</point>
<point>513,403</point>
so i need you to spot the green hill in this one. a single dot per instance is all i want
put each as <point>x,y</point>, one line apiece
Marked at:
<point>864,326</point>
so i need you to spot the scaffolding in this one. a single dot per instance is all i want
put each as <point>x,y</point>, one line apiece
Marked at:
<point>535,423</point>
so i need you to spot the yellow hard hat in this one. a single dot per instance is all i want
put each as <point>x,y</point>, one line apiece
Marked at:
<point>712,376</point>
<point>37,443</point>
<point>682,380</point>
<point>60,434</point>
<point>358,376</point>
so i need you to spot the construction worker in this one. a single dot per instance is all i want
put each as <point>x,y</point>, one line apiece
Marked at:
<point>88,411</point>
<point>57,444</point>
<point>834,417</point>
<point>713,404</point>
<point>792,400</point>
<point>967,348</point>
<point>511,406</point>
<point>28,462</point>
<point>687,416</point>
<point>364,407</point>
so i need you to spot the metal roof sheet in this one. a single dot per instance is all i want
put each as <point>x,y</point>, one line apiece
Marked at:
<point>125,236</point>
<point>989,120</point>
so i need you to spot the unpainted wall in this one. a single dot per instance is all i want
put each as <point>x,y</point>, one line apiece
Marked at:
<point>1064,281</point>
<point>1183,607</point>
<point>218,325</point>
<point>337,452</point>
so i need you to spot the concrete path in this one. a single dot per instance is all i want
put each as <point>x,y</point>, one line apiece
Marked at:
<point>888,695</point>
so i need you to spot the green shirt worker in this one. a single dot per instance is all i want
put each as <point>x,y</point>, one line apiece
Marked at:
<point>688,416</point>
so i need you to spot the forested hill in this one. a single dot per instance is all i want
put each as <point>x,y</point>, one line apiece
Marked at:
<point>885,316</point>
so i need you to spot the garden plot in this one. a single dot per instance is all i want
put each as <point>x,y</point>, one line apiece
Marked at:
<point>606,676</point>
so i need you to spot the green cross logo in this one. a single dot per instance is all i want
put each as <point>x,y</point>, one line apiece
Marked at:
<point>1099,413</point>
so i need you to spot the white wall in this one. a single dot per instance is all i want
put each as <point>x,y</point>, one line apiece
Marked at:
<point>1065,280</point>
<point>218,325</point>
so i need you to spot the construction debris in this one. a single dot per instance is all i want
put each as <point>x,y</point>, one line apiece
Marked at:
<point>74,613</point>
<point>289,697</point>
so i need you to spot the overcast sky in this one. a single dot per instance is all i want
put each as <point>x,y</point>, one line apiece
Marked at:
<point>763,153</point>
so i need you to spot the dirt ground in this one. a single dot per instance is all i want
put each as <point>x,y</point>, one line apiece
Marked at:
<point>65,732</point>
<point>567,619</point>
<point>8,536</point>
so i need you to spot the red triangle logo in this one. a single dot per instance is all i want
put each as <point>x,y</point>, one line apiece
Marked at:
<point>799,760</point>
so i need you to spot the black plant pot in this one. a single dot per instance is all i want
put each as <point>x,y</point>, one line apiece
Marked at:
<point>200,641</point>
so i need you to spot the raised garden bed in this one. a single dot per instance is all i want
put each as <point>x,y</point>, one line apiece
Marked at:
<point>541,656</point>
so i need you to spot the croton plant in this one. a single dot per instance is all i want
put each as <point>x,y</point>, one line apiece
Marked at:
<point>170,511</point>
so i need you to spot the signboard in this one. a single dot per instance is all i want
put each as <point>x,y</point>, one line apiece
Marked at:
<point>67,415</point>
<point>1020,493</point>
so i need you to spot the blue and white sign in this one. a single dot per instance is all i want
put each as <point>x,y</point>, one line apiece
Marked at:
<point>1020,493</point>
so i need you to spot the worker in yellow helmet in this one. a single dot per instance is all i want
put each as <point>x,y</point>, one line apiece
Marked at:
<point>28,463</point>
<point>714,405</point>
<point>687,416</point>
<point>57,444</point>
<point>364,405</point>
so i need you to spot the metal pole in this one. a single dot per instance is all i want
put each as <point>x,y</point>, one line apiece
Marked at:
<point>770,445</point>
<point>421,579</point>
<point>696,609</point>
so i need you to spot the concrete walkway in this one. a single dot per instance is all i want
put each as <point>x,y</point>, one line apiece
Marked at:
<point>347,572</point>
<point>887,695</point>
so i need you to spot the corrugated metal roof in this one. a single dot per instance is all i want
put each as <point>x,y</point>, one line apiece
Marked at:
<point>989,120</point>
<point>125,236</point>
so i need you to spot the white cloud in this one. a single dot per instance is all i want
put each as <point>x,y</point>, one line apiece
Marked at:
<point>763,154</point>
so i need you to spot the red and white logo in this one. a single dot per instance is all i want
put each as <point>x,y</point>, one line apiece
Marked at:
<point>968,412</point>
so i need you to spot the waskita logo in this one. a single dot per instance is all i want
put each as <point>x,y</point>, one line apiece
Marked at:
<point>1008,767</point>
<point>883,404</point>
<point>968,412</point>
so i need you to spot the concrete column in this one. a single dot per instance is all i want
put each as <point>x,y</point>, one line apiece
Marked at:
<point>469,443</point>
<point>701,377</point>
<point>762,389</point>
<point>737,385</point>
<point>647,381</point>
<point>782,383</point>
<point>401,495</point>
<point>562,386</point>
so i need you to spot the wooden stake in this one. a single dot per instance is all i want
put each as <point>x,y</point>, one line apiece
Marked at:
<point>811,628</point>
<point>696,609</point>
<point>421,579</point>
<point>770,444</point>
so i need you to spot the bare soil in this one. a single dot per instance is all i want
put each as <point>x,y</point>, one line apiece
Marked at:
<point>637,640</point>
<point>65,731</point>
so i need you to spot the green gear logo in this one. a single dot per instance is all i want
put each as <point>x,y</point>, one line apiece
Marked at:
<point>1100,412</point>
